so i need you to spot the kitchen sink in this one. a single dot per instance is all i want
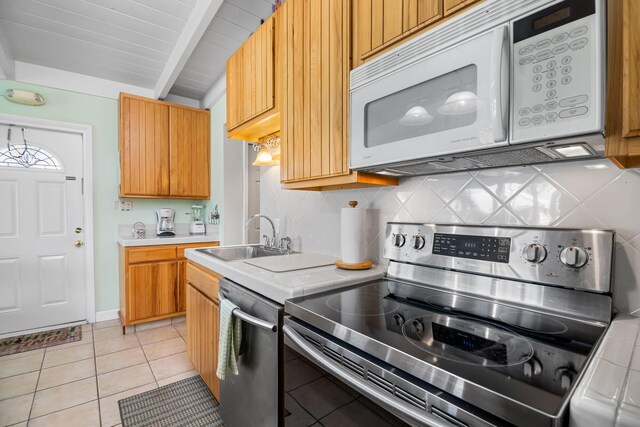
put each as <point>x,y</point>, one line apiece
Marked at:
<point>236,253</point>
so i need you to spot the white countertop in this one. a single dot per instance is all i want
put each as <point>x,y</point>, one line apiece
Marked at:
<point>282,286</point>
<point>609,392</point>
<point>175,240</point>
<point>182,235</point>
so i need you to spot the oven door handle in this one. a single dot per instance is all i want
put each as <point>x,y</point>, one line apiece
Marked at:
<point>250,319</point>
<point>406,412</point>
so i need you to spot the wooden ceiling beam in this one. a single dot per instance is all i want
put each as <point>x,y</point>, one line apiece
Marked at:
<point>199,19</point>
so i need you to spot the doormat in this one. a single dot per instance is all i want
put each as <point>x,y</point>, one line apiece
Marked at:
<point>38,340</point>
<point>185,403</point>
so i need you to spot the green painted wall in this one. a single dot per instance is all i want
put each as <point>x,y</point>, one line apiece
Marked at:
<point>102,115</point>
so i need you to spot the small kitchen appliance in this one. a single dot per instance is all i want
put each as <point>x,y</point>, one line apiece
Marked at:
<point>505,83</point>
<point>139,230</point>
<point>472,325</point>
<point>196,226</point>
<point>165,222</point>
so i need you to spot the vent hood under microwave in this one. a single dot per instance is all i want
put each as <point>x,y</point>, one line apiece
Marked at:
<point>505,83</point>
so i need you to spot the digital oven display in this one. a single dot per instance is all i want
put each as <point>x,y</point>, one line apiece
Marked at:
<point>495,249</point>
<point>482,347</point>
<point>552,18</point>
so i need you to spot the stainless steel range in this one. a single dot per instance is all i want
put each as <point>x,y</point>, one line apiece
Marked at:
<point>472,325</point>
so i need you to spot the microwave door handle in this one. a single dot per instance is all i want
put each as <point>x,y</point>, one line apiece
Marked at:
<point>499,83</point>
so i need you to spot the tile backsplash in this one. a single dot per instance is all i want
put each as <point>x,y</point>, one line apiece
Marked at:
<point>593,194</point>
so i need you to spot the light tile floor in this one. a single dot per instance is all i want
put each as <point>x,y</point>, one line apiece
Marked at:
<point>80,383</point>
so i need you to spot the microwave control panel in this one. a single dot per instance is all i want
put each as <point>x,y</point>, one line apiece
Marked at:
<point>558,72</point>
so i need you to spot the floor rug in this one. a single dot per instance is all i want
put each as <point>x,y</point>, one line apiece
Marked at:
<point>185,403</point>
<point>38,340</point>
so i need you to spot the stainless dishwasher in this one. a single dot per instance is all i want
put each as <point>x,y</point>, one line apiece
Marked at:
<point>255,397</point>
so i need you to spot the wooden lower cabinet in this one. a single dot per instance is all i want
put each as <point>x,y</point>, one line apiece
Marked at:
<point>156,292</point>
<point>203,312</point>
<point>153,282</point>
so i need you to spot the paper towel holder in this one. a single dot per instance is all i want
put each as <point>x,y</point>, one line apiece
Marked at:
<point>364,265</point>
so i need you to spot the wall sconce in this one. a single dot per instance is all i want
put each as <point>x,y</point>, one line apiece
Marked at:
<point>26,97</point>
<point>268,152</point>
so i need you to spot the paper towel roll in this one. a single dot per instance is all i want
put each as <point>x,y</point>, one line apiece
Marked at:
<point>352,234</point>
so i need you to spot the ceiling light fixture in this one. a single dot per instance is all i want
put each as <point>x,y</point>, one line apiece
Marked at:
<point>416,116</point>
<point>460,103</point>
<point>25,97</point>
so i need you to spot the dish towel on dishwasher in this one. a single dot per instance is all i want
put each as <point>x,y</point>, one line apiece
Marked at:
<point>229,340</point>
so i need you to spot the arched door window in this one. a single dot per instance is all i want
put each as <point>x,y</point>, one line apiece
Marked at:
<point>30,157</point>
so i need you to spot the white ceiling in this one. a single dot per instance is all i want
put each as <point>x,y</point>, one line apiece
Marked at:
<point>153,44</point>
<point>235,21</point>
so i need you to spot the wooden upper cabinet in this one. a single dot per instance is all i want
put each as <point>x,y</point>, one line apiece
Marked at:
<point>144,147</point>
<point>452,6</point>
<point>379,25</point>
<point>189,148</point>
<point>252,81</point>
<point>164,149</point>
<point>623,83</point>
<point>314,140</point>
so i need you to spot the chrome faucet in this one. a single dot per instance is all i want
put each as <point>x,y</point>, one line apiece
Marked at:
<point>270,243</point>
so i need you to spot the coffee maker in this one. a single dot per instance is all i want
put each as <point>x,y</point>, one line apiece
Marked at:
<point>165,218</point>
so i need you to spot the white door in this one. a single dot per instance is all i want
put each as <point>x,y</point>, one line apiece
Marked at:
<point>42,261</point>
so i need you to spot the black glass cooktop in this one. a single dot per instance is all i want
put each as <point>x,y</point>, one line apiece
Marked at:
<point>521,354</point>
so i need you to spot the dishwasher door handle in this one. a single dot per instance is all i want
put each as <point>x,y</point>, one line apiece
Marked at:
<point>250,319</point>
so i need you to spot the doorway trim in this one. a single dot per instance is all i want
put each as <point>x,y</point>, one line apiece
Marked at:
<point>87,170</point>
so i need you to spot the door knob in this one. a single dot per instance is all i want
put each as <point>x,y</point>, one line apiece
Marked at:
<point>78,243</point>
<point>78,230</point>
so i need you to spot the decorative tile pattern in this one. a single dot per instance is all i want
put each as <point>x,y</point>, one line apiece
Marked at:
<point>592,194</point>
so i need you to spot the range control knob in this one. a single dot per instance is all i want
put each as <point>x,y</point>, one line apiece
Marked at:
<point>532,368</point>
<point>573,256</point>
<point>418,327</point>
<point>418,242</point>
<point>565,376</point>
<point>398,319</point>
<point>535,253</point>
<point>399,240</point>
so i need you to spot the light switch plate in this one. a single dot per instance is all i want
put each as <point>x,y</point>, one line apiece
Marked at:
<point>123,206</point>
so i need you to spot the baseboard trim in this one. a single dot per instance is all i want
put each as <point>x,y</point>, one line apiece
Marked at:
<point>101,316</point>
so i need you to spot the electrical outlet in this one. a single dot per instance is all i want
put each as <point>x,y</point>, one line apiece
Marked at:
<point>123,206</point>
<point>276,224</point>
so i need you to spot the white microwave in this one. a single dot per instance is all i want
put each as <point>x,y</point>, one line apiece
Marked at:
<point>508,82</point>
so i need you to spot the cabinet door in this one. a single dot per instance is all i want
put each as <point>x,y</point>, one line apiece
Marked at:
<point>315,135</point>
<point>189,141</point>
<point>623,83</point>
<point>251,77</point>
<point>202,337</point>
<point>144,148</point>
<point>152,290</point>
<point>182,285</point>
<point>452,6</point>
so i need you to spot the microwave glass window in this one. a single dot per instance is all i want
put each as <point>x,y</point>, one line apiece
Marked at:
<point>551,18</point>
<point>440,104</point>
